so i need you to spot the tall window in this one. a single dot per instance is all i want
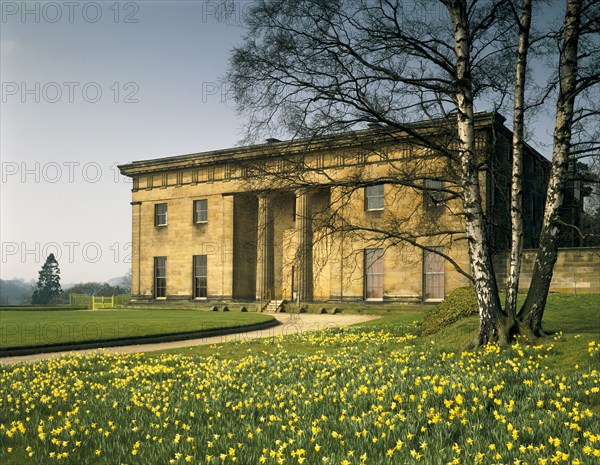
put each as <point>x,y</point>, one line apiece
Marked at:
<point>433,196</point>
<point>200,277</point>
<point>200,211</point>
<point>433,274</point>
<point>160,277</point>
<point>373,274</point>
<point>374,197</point>
<point>160,214</point>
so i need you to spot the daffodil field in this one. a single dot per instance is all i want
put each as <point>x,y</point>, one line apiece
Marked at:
<point>359,396</point>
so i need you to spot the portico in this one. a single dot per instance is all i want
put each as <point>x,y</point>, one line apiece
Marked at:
<point>284,245</point>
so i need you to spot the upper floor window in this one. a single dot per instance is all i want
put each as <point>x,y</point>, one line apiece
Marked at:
<point>200,211</point>
<point>433,195</point>
<point>374,197</point>
<point>160,214</point>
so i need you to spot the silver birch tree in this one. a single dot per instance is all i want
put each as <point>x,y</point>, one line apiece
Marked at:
<point>574,79</point>
<point>516,197</point>
<point>310,67</point>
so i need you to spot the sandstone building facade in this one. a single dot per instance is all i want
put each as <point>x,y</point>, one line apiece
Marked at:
<point>366,215</point>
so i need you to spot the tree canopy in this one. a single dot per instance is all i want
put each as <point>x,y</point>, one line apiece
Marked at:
<point>312,67</point>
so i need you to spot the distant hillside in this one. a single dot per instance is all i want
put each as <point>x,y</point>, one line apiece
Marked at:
<point>15,292</point>
<point>122,281</point>
<point>18,291</point>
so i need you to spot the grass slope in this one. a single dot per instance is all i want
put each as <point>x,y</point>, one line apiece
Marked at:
<point>34,328</point>
<point>572,321</point>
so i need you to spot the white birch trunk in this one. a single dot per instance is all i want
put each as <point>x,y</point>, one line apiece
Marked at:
<point>490,312</point>
<point>516,197</point>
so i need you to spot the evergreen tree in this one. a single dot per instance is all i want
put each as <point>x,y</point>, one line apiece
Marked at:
<point>48,285</point>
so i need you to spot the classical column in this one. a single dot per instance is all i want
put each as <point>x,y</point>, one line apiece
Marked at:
<point>265,264</point>
<point>304,255</point>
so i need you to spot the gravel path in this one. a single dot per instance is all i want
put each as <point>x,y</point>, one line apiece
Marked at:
<point>290,324</point>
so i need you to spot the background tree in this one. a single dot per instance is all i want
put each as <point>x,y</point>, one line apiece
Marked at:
<point>48,285</point>
<point>125,283</point>
<point>97,289</point>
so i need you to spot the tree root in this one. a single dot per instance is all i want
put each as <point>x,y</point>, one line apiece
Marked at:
<point>500,332</point>
<point>505,331</point>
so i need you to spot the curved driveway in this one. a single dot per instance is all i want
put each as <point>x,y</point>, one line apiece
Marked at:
<point>290,324</point>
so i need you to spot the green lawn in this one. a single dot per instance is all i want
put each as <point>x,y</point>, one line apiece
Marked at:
<point>574,322</point>
<point>24,328</point>
<point>375,393</point>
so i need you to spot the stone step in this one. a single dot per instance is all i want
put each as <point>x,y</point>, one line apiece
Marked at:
<point>272,306</point>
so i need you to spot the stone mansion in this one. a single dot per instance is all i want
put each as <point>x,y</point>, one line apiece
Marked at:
<point>373,214</point>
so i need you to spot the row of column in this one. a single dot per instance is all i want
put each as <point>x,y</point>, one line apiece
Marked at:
<point>265,284</point>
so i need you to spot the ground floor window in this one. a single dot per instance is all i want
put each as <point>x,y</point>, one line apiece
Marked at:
<point>433,274</point>
<point>373,274</point>
<point>160,277</point>
<point>200,277</point>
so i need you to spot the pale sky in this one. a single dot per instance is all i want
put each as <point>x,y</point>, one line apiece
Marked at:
<point>90,85</point>
<point>157,66</point>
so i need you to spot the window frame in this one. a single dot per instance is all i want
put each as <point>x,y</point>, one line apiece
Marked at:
<point>434,274</point>
<point>373,273</point>
<point>196,212</point>
<point>158,215</point>
<point>370,197</point>
<point>160,287</point>
<point>199,273</point>
<point>433,195</point>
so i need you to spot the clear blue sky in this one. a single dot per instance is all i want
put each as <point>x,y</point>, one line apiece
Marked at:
<point>90,85</point>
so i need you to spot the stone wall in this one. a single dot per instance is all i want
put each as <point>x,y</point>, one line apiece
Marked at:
<point>577,270</point>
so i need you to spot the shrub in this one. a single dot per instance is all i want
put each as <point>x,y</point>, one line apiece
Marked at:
<point>460,303</point>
